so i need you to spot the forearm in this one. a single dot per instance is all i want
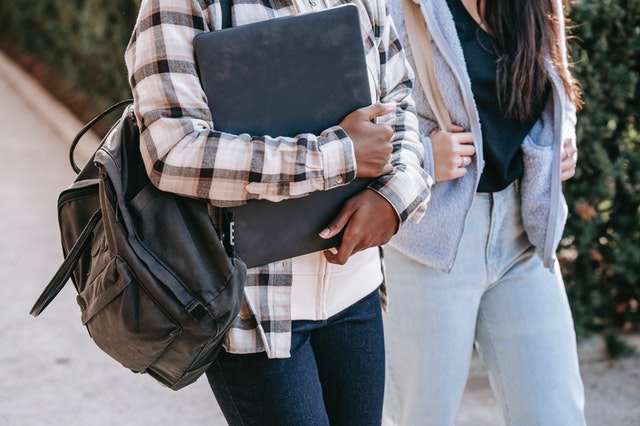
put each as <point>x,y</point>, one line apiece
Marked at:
<point>407,188</point>
<point>185,153</point>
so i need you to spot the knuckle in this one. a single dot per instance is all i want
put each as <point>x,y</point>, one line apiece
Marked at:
<point>348,206</point>
<point>340,260</point>
<point>359,114</point>
<point>336,224</point>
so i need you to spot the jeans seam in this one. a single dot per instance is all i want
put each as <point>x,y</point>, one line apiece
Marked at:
<point>499,383</point>
<point>230,397</point>
<point>489,241</point>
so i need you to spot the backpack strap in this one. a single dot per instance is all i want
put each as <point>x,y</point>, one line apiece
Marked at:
<point>420,41</point>
<point>65,270</point>
<point>88,127</point>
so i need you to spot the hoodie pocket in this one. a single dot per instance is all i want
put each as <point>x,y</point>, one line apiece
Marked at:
<point>544,210</point>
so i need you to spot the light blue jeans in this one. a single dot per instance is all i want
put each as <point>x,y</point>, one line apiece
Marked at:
<point>498,296</point>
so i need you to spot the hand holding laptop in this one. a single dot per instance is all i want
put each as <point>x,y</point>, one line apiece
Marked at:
<point>371,141</point>
<point>368,220</point>
<point>328,82</point>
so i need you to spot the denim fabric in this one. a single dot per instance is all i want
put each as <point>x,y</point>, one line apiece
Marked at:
<point>498,296</point>
<point>335,374</point>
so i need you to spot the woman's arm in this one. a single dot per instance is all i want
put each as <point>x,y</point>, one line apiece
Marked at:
<point>373,217</point>
<point>407,188</point>
<point>182,150</point>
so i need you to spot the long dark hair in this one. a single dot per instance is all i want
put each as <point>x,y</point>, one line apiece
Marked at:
<point>526,33</point>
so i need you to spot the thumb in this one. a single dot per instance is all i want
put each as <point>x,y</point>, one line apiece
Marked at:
<point>456,129</point>
<point>336,225</point>
<point>378,109</point>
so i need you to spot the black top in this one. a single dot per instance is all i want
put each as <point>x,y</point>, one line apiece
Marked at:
<point>502,136</point>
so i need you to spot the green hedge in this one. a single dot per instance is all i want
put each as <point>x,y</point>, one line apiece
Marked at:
<point>83,43</point>
<point>75,46</point>
<point>603,233</point>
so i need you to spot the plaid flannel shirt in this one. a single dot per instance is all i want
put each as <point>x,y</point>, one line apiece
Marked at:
<point>184,154</point>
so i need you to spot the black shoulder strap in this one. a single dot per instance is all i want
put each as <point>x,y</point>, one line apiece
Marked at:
<point>66,269</point>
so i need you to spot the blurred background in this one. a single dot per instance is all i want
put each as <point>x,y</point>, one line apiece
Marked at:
<point>75,48</point>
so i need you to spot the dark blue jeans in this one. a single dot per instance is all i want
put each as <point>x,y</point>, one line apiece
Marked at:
<point>335,375</point>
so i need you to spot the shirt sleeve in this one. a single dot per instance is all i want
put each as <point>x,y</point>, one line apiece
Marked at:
<point>181,148</point>
<point>408,187</point>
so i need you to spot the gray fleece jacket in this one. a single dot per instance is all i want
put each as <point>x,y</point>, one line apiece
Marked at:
<point>434,241</point>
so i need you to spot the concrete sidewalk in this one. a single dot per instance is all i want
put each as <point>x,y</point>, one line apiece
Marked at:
<point>53,374</point>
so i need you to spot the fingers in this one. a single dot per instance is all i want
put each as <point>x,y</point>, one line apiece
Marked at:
<point>370,221</point>
<point>569,142</point>
<point>388,168</point>
<point>569,150</point>
<point>460,162</point>
<point>464,161</point>
<point>567,174</point>
<point>465,150</point>
<point>569,160</point>
<point>342,254</point>
<point>460,168</point>
<point>377,109</point>
<point>452,152</point>
<point>568,167</point>
<point>337,224</point>
<point>373,111</point>
<point>372,144</point>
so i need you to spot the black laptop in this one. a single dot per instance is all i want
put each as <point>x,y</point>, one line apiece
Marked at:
<point>283,77</point>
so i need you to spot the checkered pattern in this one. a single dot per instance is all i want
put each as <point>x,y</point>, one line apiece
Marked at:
<point>185,154</point>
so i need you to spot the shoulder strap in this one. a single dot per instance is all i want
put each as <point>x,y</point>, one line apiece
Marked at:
<point>66,269</point>
<point>420,41</point>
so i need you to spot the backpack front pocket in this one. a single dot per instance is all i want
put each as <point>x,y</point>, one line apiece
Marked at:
<point>123,319</point>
